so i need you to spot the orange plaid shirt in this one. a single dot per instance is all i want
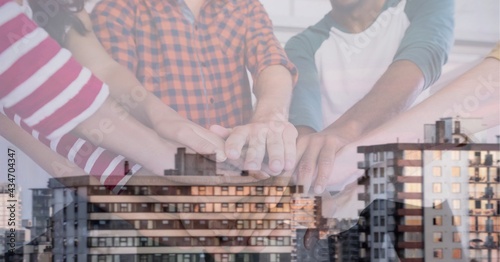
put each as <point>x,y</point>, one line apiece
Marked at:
<point>196,66</point>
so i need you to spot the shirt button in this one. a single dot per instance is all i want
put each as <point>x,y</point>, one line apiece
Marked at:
<point>212,100</point>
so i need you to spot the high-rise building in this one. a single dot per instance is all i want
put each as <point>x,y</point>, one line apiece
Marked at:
<point>42,210</point>
<point>196,217</point>
<point>433,201</point>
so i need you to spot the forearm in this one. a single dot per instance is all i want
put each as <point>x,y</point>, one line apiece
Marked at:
<point>273,91</point>
<point>481,84</point>
<point>393,93</point>
<point>48,160</point>
<point>116,131</point>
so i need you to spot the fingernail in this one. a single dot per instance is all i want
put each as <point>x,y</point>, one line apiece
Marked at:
<point>318,189</point>
<point>276,165</point>
<point>221,157</point>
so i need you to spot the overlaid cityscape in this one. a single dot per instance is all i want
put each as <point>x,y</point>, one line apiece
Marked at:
<point>249,131</point>
<point>438,200</point>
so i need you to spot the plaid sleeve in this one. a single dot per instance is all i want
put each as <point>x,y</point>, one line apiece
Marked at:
<point>262,47</point>
<point>114,26</point>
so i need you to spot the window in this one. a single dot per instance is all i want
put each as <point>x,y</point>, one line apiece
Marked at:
<point>437,237</point>
<point>375,220</point>
<point>436,187</point>
<point>437,204</point>
<point>375,172</point>
<point>455,171</point>
<point>382,221</point>
<point>455,155</point>
<point>382,188</point>
<point>455,204</point>
<point>376,204</point>
<point>437,221</point>
<point>279,188</point>
<point>436,155</point>
<point>436,171</point>
<point>457,237</point>
<point>456,220</point>
<point>456,253</point>
<point>382,171</point>
<point>438,253</point>
<point>375,237</point>
<point>375,188</point>
<point>259,207</point>
<point>455,187</point>
<point>239,188</point>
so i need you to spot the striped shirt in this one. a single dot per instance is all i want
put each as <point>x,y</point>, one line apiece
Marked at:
<point>47,93</point>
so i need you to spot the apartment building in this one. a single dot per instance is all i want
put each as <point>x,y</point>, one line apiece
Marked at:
<point>178,217</point>
<point>432,201</point>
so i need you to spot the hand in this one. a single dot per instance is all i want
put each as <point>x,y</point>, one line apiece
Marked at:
<point>193,136</point>
<point>279,137</point>
<point>316,153</point>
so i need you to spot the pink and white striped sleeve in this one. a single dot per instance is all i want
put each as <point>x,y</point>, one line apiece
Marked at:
<point>39,81</point>
<point>45,92</point>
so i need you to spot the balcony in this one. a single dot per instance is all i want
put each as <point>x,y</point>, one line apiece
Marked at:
<point>363,165</point>
<point>410,212</point>
<point>409,179</point>
<point>403,228</point>
<point>403,162</point>
<point>364,196</point>
<point>411,245</point>
<point>412,260</point>
<point>402,195</point>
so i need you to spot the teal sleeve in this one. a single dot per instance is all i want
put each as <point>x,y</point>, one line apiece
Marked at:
<point>305,109</point>
<point>429,38</point>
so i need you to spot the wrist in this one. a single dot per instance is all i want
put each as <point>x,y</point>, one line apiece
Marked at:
<point>267,114</point>
<point>305,130</point>
<point>348,131</point>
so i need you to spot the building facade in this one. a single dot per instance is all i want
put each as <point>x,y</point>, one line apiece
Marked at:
<point>177,217</point>
<point>433,201</point>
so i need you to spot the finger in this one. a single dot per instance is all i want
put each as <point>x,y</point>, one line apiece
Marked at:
<point>195,137</point>
<point>325,167</point>
<point>259,175</point>
<point>235,142</point>
<point>208,143</point>
<point>265,168</point>
<point>302,144</point>
<point>290,147</point>
<point>307,164</point>
<point>220,131</point>
<point>256,150</point>
<point>275,151</point>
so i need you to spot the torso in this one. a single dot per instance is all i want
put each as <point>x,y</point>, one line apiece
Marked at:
<point>350,64</point>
